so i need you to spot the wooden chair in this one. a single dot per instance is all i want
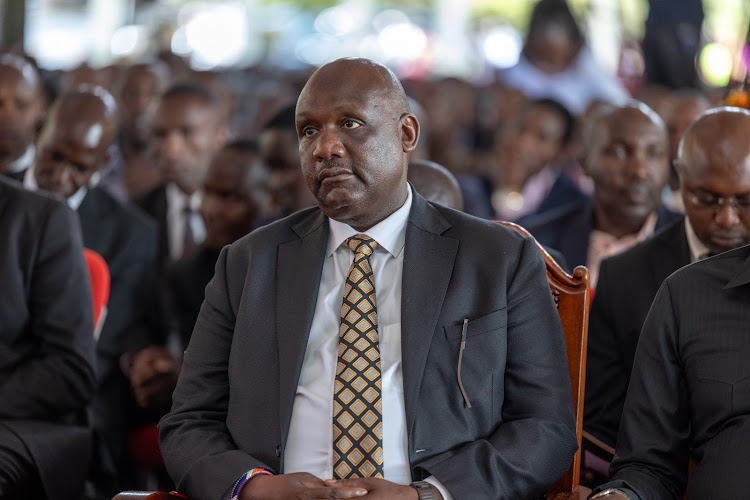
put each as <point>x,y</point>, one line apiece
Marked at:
<point>571,294</point>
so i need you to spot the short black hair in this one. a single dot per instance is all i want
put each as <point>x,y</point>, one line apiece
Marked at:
<point>569,120</point>
<point>548,12</point>
<point>193,90</point>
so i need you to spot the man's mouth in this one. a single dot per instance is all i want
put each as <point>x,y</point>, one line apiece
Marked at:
<point>334,174</point>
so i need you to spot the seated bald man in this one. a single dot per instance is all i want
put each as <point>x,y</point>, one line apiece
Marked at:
<point>688,392</point>
<point>369,346</point>
<point>47,374</point>
<point>714,168</point>
<point>71,149</point>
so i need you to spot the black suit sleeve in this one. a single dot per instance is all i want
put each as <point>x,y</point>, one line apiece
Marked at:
<point>607,374</point>
<point>61,370</point>
<point>201,399</point>
<point>653,442</point>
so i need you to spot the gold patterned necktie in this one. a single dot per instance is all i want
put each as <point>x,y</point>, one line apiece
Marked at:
<point>357,404</point>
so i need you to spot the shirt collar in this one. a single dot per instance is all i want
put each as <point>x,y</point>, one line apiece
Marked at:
<point>177,198</point>
<point>390,233</point>
<point>24,161</point>
<point>698,250</point>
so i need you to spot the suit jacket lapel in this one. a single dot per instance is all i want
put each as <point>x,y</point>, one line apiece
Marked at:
<point>428,264</point>
<point>299,267</point>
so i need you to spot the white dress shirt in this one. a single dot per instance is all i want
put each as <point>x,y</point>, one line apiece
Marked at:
<point>309,445</point>
<point>698,251</point>
<point>177,204</point>
<point>24,161</point>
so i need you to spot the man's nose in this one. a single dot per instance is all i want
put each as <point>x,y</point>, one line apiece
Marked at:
<point>726,215</point>
<point>328,145</point>
<point>638,165</point>
<point>171,145</point>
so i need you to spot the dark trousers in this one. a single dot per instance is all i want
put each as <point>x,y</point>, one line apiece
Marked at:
<point>19,477</point>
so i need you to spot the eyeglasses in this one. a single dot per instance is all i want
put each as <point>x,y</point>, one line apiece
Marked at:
<point>714,202</point>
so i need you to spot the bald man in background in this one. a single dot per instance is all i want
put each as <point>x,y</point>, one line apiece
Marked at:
<point>688,392</point>
<point>714,168</point>
<point>22,107</point>
<point>71,149</point>
<point>436,183</point>
<point>626,154</point>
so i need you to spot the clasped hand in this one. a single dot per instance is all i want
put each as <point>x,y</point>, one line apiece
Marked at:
<point>304,486</point>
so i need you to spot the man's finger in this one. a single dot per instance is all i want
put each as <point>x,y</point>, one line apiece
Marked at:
<point>338,492</point>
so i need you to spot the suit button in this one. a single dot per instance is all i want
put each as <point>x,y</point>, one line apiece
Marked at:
<point>278,451</point>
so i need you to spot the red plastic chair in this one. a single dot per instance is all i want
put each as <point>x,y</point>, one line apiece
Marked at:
<point>100,282</point>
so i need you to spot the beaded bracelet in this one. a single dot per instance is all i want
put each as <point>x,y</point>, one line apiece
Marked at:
<point>247,476</point>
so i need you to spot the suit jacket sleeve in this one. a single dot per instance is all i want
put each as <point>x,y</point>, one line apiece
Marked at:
<point>61,320</point>
<point>607,374</point>
<point>197,447</point>
<point>653,442</point>
<point>534,441</point>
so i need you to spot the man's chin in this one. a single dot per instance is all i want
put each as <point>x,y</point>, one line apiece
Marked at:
<point>720,244</point>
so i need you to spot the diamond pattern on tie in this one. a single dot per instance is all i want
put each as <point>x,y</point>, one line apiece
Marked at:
<point>357,405</point>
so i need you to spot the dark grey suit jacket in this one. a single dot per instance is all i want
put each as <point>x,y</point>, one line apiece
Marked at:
<point>46,336</point>
<point>233,402</point>
<point>628,283</point>
<point>689,392</point>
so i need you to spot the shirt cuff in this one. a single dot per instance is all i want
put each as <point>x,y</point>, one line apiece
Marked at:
<point>442,489</point>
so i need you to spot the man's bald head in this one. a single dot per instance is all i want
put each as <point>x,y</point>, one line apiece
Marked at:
<point>436,183</point>
<point>74,141</point>
<point>355,132</point>
<point>713,162</point>
<point>626,155</point>
<point>370,77</point>
<point>90,112</point>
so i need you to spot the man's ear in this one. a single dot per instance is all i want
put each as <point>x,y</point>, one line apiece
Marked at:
<point>409,132</point>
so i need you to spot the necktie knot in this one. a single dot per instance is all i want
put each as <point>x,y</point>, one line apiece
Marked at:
<point>362,243</point>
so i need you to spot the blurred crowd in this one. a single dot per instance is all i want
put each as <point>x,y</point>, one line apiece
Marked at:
<point>165,165</point>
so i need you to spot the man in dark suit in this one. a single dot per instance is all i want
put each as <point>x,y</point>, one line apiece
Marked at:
<point>46,339</point>
<point>235,201</point>
<point>626,155</point>
<point>187,128</point>
<point>713,164</point>
<point>22,102</point>
<point>688,395</point>
<point>72,147</point>
<point>458,383</point>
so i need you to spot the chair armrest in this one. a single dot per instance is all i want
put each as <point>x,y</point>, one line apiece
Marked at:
<point>147,495</point>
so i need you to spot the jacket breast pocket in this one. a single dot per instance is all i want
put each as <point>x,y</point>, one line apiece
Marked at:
<point>721,386</point>
<point>481,364</point>
<point>492,322</point>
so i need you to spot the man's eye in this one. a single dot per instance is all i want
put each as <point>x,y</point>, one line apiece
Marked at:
<point>308,131</point>
<point>351,124</point>
<point>707,200</point>
<point>619,152</point>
